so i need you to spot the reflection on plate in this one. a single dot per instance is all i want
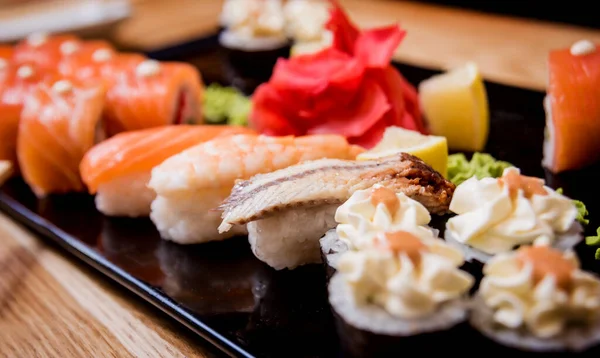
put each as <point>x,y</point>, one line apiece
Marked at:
<point>290,318</point>
<point>211,279</point>
<point>137,253</point>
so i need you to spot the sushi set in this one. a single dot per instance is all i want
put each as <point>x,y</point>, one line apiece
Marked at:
<point>351,206</point>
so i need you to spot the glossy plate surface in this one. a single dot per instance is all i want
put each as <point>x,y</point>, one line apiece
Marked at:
<point>220,290</point>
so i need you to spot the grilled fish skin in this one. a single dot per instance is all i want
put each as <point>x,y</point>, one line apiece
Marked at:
<point>332,181</point>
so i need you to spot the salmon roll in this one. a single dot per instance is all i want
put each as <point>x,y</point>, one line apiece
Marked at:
<point>538,299</point>
<point>45,51</point>
<point>16,82</point>
<point>118,169</point>
<point>405,291</point>
<point>495,215</point>
<point>572,108</point>
<point>152,94</point>
<point>365,214</point>
<point>5,55</point>
<point>59,124</point>
<point>192,184</point>
<point>85,61</point>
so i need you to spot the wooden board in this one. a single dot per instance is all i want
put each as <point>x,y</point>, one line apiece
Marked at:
<point>510,51</point>
<point>51,306</point>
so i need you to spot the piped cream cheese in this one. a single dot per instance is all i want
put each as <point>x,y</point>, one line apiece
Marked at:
<point>368,212</point>
<point>582,48</point>
<point>497,214</point>
<point>405,275</point>
<point>539,289</point>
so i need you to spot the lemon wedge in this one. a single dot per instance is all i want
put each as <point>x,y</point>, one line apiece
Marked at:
<point>433,150</point>
<point>456,107</point>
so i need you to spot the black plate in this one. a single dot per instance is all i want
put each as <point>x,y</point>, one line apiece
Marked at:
<point>220,290</point>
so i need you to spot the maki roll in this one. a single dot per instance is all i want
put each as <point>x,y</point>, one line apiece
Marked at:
<point>407,285</point>
<point>306,22</point>
<point>253,37</point>
<point>496,215</point>
<point>538,299</point>
<point>367,213</point>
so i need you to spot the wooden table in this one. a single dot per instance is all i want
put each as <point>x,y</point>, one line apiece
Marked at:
<point>53,306</point>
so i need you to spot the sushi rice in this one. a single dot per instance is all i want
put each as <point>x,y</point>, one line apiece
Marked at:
<point>281,245</point>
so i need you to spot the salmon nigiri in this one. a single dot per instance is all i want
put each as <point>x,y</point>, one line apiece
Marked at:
<point>190,184</point>
<point>152,94</point>
<point>118,169</point>
<point>16,82</point>
<point>58,126</point>
<point>573,108</point>
<point>45,51</point>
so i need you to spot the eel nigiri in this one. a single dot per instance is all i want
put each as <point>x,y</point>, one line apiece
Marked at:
<point>117,170</point>
<point>287,211</point>
<point>16,82</point>
<point>573,108</point>
<point>45,51</point>
<point>152,94</point>
<point>58,125</point>
<point>192,183</point>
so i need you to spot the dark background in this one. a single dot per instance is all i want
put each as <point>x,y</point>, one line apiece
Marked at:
<point>582,13</point>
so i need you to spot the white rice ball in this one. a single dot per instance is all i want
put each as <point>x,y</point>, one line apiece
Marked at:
<point>190,217</point>
<point>125,196</point>
<point>291,238</point>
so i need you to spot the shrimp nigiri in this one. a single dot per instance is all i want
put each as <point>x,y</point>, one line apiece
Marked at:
<point>117,170</point>
<point>58,126</point>
<point>192,183</point>
<point>16,82</point>
<point>152,94</point>
<point>45,51</point>
<point>573,108</point>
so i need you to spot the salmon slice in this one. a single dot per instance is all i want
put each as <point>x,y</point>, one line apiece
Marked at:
<point>120,166</point>
<point>58,126</point>
<point>190,184</point>
<point>142,150</point>
<point>16,82</point>
<point>45,51</point>
<point>572,111</point>
<point>152,94</point>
